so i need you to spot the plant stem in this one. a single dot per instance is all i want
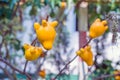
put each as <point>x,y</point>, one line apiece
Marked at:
<point>87,43</point>
<point>34,42</point>
<point>7,73</point>
<point>25,66</point>
<point>7,63</point>
<point>65,67</point>
<point>14,11</point>
<point>106,76</point>
<point>70,61</point>
<point>1,45</point>
<point>39,67</point>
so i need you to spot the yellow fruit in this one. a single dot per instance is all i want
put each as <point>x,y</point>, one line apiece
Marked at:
<point>42,73</point>
<point>63,5</point>
<point>46,33</point>
<point>86,55</point>
<point>117,77</point>
<point>98,28</point>
<point>31,52</point>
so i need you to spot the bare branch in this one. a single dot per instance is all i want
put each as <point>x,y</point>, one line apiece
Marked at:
<point>69,62</point>
<point>14,68</point>
<point>106,76</point>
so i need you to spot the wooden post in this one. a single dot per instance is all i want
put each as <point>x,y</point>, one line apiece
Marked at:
<point>82,27</point>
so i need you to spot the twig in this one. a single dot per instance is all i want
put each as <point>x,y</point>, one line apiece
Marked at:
<point>14,68</point>
<point>87,43</point>
<point>7,51</point>
<point>70,61</point>
<point>106,76</point>
<point>15,9</point>
<point>25,66</point>
<point>40,65</point>
<point>34,41</point>
<point>1,46</point>
<point>65,67</point>
<point>6,72</point>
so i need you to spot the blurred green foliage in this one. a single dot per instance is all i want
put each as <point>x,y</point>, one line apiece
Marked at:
<point>100,10</point>
<point>6,8</point>
<point>105,68</point>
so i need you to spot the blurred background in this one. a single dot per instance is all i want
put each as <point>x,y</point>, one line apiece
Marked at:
<point>75,17</point>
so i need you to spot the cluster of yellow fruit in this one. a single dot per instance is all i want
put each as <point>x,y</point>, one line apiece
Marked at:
<point>97,29</point>
<point>46,34</point>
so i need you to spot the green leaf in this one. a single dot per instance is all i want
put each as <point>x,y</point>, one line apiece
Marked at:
<point>37,3</point>
<point>17,45</point>
<point>52,4</point>
<point>33,11</point>
<point>46,2</point>
<point>75,1</point>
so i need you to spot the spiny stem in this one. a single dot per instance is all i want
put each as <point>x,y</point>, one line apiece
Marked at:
<point>70,61</point>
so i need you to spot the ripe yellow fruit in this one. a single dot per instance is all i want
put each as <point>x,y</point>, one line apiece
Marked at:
<point>117,77</point>
<point>98,28</point>
<point>46,33</point>
<point>31,52</point>
<point>42,73</point>
<point>63,5</point>
<point>86,55</point>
